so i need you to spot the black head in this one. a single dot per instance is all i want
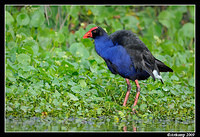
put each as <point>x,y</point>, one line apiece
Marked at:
<point>93,32</point>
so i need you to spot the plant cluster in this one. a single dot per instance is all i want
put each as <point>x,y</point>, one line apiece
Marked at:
<point>52,71</point>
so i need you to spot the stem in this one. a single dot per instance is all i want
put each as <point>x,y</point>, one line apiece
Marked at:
<point>190,45</point>
<point>66,18</point>
<point>45,10</point>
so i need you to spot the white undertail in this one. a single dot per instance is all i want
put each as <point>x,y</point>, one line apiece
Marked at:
<point>156,75</point>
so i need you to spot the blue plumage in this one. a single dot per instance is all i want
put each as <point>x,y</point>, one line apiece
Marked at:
<point>117,58</point>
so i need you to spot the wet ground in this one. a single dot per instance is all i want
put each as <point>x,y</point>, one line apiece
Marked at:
<point>96,124</point>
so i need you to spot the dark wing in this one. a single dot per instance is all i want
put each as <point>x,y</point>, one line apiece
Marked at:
<point>162,67</point>
<point>112,67</point>
<point>139,53</point>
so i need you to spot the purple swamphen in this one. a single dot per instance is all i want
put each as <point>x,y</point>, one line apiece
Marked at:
<point>125,54</point>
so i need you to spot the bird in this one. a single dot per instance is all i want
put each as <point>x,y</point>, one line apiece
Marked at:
<point>126,55</point>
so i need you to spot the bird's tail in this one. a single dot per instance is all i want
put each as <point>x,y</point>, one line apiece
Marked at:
<point>162,67</point>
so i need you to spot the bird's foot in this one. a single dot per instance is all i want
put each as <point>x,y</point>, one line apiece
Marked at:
<point>133,111</point>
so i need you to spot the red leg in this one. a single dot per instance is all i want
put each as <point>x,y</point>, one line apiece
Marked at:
<point>138,93</point>
<point>125,128</point>
<point>134,128</point>
<point>128,91</point>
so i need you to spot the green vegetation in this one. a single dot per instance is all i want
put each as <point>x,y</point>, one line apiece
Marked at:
<point>51,71</point>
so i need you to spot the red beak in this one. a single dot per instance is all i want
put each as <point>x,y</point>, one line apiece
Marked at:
<point>88,35</point>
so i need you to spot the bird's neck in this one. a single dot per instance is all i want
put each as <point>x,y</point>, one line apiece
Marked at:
<point>102,44</point>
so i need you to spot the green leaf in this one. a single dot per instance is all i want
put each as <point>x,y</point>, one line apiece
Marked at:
<point>174,92</point>
<point>23,19</point>
<point>187,30</point>
<point>192,13</point>
<point>97,57</point>
<point>9,108</point>
<point>76,89</point>
<point>24,30</point>
<point>72,97</point>
<point>99,111</point>
<point>74,11</point>
<point>116,25</point>
<point>31,46</point>
<point>23,59</point>
<point>38,110</point>
<point>55,82</point>
<point>174,77</point>
<point>80,33</point>
<point>9,18</point>
<point>95,10</point>
<point>65,104</point>
<point>121,114</point>
<point>143,107</point>
<point>78,49</point>
<point>164,18</point>
<point>143,98</point>
<point>191,82</point>
<point>171,106</point>
<point>10,76</point>
<point>82,83</point>
<point>24,108</point>
<point>71,83</point>
<point>166,88</point>
<point>55,102</point>
<point>85,63</point>
<point>130,22</point>
<point>47,85</point>
<point>59,37</point>
<point>37,19</point>
<point>27,68</point>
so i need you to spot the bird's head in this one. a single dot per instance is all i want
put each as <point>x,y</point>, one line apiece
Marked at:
<point>94,32</point>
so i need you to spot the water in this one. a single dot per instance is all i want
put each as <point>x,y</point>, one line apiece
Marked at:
<point>96,124</point>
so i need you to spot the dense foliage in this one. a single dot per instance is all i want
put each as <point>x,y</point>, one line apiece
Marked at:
<point>52,71</point>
